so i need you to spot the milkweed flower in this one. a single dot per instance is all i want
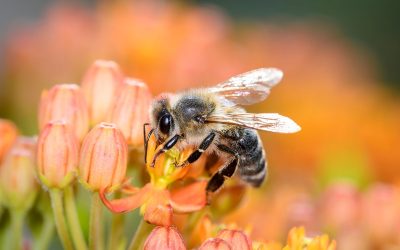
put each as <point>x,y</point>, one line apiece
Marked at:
<point>237,239</point>
<point>158,199</point>
<point>8,134</point>
<point>298,240</point>
<point>131,110</point>
<point>103,158</point>
<point>100,85</point>
<point>215,244</point>
<point>57,155</point>
<point>65,102</point>
<point>167,238</point>
<point>18,185</point>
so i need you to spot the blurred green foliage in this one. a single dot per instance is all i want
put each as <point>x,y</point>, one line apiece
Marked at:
<point>371,25</point>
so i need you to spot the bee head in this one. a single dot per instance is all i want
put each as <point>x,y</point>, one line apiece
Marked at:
<point>161,119</point>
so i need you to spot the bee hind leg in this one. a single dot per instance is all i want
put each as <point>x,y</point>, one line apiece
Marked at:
<point>218,179</point>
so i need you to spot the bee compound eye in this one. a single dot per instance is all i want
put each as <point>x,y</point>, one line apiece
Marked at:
<point>165,124</point>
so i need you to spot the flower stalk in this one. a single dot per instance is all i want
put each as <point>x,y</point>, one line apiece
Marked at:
<point>117,229</point>
<point>96,224</point>
<point>46,234</point>
<point>17,223</point>
<point>59,218</point>
<point>73,219</point>
<point>140,236</point>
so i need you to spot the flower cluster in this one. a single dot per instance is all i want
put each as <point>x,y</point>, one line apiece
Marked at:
<point>347,212</point>
<point>236,239</point>
<point>90,135</point>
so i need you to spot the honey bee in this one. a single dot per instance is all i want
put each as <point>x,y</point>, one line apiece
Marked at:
<point>212,121</point>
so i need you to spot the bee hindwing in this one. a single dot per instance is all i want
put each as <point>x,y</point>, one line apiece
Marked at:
<point>264,121</point>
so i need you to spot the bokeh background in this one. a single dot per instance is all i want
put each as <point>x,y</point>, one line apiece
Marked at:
<point>340,174</point>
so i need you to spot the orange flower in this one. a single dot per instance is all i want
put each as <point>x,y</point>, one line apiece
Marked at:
<point>57,155</point>
<point>131,110</point>
<point>103,158</point>
<point>267,246</point>
<point>236,239</point>
<point>18,185</point>
<point>100,85</point>
<point>8,134</point>
<point>158,199</point>
<point>65,102</point>
<point>215,244</point>
<point>167,238</point>
<point>298,241</point>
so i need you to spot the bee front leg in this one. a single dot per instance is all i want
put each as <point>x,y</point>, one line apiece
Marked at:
<point>218,179</point>
<point>198,152</point>
<point>167,146</point>
<point>146,138</point>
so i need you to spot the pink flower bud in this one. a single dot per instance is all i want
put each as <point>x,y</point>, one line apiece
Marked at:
<point>236,239</point>
<point>167,238</point>
<point>18,185</point>
<point>65,102</point>
<point>131,110</point>
<point>8,134</point>
<point>100,85</point>
<point>103,158</point>
<point>215,244</point>
<point>57,155</point>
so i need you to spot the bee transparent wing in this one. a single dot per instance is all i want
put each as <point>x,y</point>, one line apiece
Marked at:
<point>250,87</point>
<point>264,121</point>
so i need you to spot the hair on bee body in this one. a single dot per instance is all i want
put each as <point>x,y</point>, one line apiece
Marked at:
<point>211,121</point>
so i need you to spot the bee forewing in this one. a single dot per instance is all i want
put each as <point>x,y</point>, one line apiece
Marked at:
<point>250,87</point>
<point>264,121</point>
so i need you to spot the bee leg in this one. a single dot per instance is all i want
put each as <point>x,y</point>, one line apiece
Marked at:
<point>196,154</point>
<point>218,179</point>
<point>146,138</point>
<point>168,145</point>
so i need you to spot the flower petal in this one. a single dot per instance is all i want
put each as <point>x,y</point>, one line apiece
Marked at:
<point>189,198</point>
<point>164,238</point>
<point>215,244</point>
<point>128,203</point>
<point>236,238</point>
<point>158,214</point>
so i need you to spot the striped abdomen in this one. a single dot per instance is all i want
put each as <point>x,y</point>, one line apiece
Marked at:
<point>247,143</point>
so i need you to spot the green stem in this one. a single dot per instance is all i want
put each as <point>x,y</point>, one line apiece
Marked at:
<point>46,234</point>
<point>73,220</point>
<point>193,220</point>
<point>17,224</point>
<point>140,236</point>
<point>117,229</point>
<point>95,227</point>
<point>61,225</point>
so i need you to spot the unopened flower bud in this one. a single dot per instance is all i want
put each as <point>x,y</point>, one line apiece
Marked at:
<point>103,158</point>
<point>65,102</point>
<point>18,185</point>
<point>215,244</point>
<point>100,85</point>
<point>167,238</point>
<point>131,110</point>
<point>236,239</point>
<point>57,155</point>
<point>8,134</point>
